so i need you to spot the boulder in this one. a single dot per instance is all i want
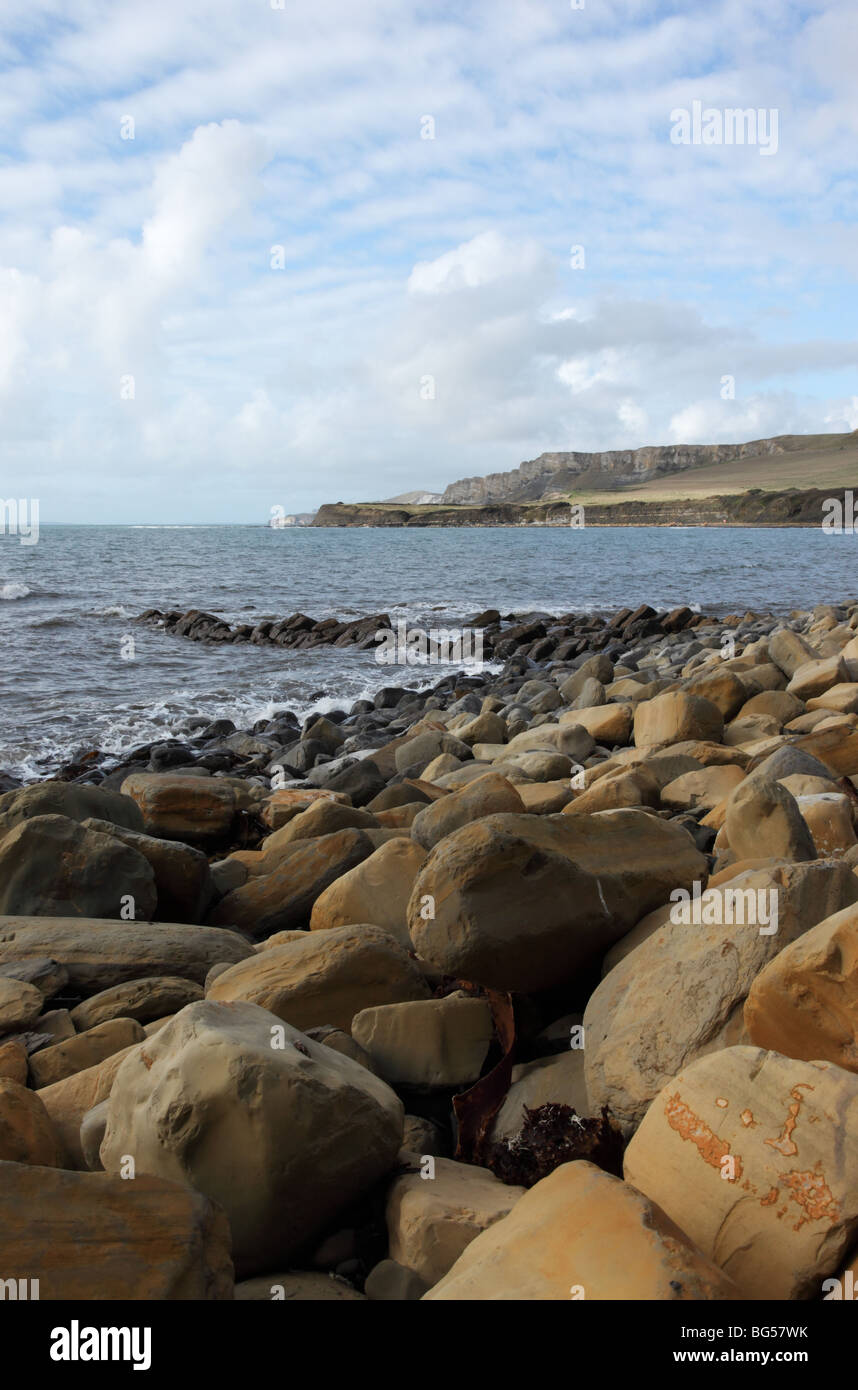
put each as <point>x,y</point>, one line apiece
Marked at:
<point>841,698</point>
<point>198,810</point>
<point>571,739</point>
<point>51,866</point>
<point>679,993</point>
<point>286,802</point>
<point>763,821</point>
<point>743,1151</point>
<point>805,1002</point>
<point>427,1042</point>
<point>721,687</point>
<point>146,999</point>
<point>183,880</point>
<point>701,791</point>
<point>524,902</point>
<point>76,801</point>
<point>547,1081</point>
<point>326,978</point>
<point>320,818</point>
<point>488,795</point>
<point>13,1060</point>
<point>280,1131</point>
<point>836,748</point>
<point>83,1051</point>
<point>90,1237</point>
<point>609,724</point>
<point>582,1234</point>
<point>26,1132</point>
<point>626,787</point>
<point>828,817</point>
<point>789,650</point>
<point>676,717</point>
<point>431,1221</point>
<point>68,1101</point>
<point>20,1005</point>
<point>98,953</point>
<point>377,890</point>
<point>815,677</point>
<point>283,899</point>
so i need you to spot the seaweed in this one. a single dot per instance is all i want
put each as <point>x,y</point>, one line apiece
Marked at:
<point>553,1134</point>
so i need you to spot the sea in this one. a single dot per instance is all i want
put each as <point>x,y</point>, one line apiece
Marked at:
<point>71,680</point>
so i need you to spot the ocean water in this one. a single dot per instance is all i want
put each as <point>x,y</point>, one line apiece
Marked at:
<point>66,605</point>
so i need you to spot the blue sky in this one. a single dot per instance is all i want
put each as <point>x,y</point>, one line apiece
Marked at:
<point>426,323</point>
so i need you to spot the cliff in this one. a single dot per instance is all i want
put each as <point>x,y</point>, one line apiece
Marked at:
<point>754,508</point>
<point>555,474</point>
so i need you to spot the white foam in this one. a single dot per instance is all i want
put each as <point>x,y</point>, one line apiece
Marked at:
<point>13,590</point>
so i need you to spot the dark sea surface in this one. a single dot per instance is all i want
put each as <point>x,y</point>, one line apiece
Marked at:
<point>66,604</point>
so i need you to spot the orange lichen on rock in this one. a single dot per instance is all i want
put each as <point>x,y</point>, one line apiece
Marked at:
<point>786,1145</point>
<point>690,1126</point>
<point>811,1193</point>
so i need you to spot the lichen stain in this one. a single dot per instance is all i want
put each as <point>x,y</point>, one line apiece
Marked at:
<point>689,1126</point>
<point>747,1118</point>
<point>786,1145</point>
<point>770,1198</point>
<point>811,1193</point>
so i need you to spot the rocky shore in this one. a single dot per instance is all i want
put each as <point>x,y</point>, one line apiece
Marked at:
<point>534,984</point>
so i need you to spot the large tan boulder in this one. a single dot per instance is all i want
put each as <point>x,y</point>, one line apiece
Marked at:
<point>815,677</point>
<point>841,698</point>
<point>84,1050</point>
<point>836,747</point>
<point>427,1042</point>
<point>183,880</point>
<point>326,978</point>
<point>287,802</point>
<point>68,1101</point>
<point>199,810</point>
<point>77,801</point>
<point>789,650</point>
<point>676,717</point>
<point>20,1005</point>
<point>90,1237</point>
<point>805,1003</point>
<point>486,795</point>
<point>751,1154</point>
<point>51,866</point>
<point>763,820</point>
<point>722,687</point>
<point>27,1134</point>
<point>610,724</point>
<point>376,890</point>
<point>524,902</point>
<point>99,952</point>
<point>279,1130</point>
<point>582,1234</point>
<point>152,997</point>
<point>546,1081</point>
<point>703,790</point>
<point>680,993</point>
<point>431,1220</point>
<point>828,817</point>
<point>283,899</point>
<point>572,739</point>
<point>629,787</point>
<point>322,817</point>
<point>777,704</point>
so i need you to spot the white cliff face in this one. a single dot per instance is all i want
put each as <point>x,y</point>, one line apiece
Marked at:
<point>539,477</point>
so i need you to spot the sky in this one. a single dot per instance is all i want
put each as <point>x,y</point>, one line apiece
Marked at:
<point>274,253</point>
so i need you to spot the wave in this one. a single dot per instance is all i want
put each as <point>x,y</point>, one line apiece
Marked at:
<point>115,610</point>
<point>14,590</point>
